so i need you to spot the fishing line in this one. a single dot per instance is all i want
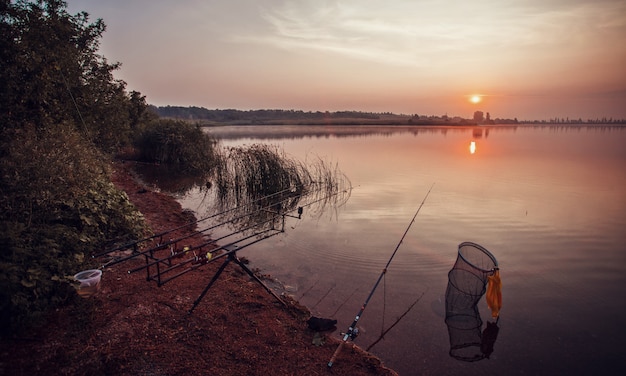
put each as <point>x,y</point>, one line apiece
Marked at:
<point>80,115</point>
<point>309,289</point>
<point>382,334</point>
<point>382,324</point>
<point>323,297</point>
<point>353,331</point>
<point>344,302</point>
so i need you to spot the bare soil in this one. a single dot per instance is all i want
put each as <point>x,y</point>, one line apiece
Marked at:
<point>133,327</point>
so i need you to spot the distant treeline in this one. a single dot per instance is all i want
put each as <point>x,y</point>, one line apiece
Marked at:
<point>231,115</point>
<point>204,116</point>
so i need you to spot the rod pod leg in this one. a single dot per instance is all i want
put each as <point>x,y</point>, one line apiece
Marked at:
<point>251,274</point>
<point>206,289</point>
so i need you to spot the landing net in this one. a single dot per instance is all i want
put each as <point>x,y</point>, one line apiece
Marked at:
<point>467,283</point>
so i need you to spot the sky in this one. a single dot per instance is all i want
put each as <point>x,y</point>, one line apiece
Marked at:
<point>525,59</point>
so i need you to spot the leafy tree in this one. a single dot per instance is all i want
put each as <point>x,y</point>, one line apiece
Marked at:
<point>52,74</point>
<point>62,113</point>
<point>60,110</point>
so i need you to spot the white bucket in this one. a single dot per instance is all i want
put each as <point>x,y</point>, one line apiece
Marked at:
<point>89,282</point>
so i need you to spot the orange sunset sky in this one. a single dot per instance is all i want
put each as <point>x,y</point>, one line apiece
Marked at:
<point>532,59</point>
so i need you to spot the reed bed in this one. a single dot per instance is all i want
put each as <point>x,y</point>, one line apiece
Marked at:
<point>256,184</point>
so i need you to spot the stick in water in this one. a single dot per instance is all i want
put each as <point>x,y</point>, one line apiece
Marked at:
<point>352,331</point>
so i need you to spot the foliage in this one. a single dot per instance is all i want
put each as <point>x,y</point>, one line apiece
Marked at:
<point>231,115</point>
<point>61,109</point>
<point>180,144</point>
<point>57,205</point>
<point>52,74</point>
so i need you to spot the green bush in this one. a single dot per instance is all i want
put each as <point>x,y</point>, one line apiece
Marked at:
<point>57,207</point>
<point>178,143</point>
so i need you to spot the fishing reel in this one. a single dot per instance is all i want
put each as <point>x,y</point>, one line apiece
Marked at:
<point>201,259</point>
<point>352,333</point>
<point>178,253</point>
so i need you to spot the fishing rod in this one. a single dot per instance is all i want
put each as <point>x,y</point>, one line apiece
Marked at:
<point>135,243</point>
<point>163,245</point>
<point>190,249</point>
<point>353,331</point>
<point>172,243</point>
<point>180,253</point>
<point>229,249</point>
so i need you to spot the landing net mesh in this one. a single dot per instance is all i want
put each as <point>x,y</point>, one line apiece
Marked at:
<point>467,281</point>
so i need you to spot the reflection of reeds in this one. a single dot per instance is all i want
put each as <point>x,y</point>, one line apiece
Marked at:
<point>259,183</point>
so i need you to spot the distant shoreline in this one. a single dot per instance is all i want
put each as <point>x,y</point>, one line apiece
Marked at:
<point>205,117</point>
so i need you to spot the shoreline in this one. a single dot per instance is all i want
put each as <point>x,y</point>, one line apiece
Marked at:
<point>132,326</point>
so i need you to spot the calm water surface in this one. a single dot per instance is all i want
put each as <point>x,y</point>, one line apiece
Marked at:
<point>548,202</point>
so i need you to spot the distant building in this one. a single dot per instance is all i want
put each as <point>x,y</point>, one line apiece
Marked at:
<point>488,119</point>
<point>479,116</point>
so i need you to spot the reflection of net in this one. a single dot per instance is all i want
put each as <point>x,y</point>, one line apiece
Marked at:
<point>467,282</point>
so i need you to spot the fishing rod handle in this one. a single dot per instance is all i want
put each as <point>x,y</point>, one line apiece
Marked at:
<point>334,357</point>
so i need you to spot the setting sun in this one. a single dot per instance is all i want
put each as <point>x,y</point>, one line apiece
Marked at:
<point>475,98</point>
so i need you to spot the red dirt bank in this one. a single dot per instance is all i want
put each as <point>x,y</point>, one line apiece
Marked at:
<point>133,327</point>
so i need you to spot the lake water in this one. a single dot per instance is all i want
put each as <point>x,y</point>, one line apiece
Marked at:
<point>548,202</point>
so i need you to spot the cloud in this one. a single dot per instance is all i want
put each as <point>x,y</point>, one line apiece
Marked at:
<point>364,51</point>
<point>413,33</point>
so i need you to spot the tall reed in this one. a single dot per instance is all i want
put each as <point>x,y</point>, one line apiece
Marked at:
<point>256,183</point>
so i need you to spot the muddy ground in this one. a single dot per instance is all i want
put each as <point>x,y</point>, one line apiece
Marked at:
<point>131,326</point>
